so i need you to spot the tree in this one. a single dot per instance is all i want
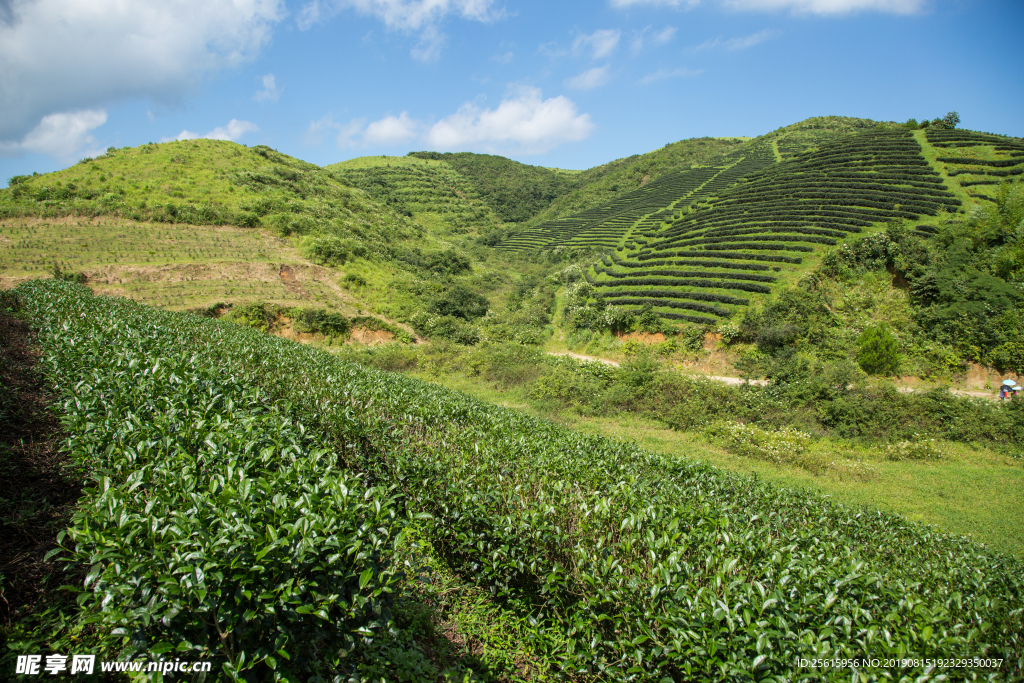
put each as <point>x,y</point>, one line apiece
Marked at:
<point>878,350</point>
<point>951,120</point>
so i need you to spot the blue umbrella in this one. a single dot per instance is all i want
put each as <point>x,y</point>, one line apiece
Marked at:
<point>1008,382</point>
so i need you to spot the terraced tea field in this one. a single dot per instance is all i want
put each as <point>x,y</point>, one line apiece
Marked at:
<point>774,218</point>
<point>698,245</point>
<point>430,191</point>
<point>978,161</point>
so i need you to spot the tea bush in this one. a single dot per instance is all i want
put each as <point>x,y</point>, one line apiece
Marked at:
<point>624,564</point>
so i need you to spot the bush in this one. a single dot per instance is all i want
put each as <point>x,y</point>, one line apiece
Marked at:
<point>258,315</point>
<point>783,445</point>
<point>461,302</point>
<point>332,251</point>
<point>878,350</point>
<point>322,321</point>
<point>442,263</point>
<point>447,327</point>
<point>242,220</point>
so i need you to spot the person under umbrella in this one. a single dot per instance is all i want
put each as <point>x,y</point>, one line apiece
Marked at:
<point>1005,388</point>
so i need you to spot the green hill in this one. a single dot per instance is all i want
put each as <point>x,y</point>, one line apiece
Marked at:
<point>385,527</point>
<point>758,217</point>
<point>428,190</point>
<point>208,182</point>
<point>599,185</point>
<point>515,191</point>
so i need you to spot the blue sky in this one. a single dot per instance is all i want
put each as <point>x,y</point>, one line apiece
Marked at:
<point>567,84</point>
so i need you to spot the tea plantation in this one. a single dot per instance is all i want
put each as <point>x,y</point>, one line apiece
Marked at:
<point>247,495</point>
<point>745,221</point>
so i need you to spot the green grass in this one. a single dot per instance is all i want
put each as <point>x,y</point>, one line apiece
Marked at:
<point>436,195</point>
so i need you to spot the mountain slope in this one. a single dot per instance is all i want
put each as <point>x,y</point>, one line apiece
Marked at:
<point>515,191</point>
<point>195,223</point>
<point>698,244</point>
<point>429,190</point>
<point>208,182</point>
<point>776,216</point>
<point>609,182</point>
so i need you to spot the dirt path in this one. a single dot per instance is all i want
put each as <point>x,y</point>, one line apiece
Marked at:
<point>727,380</point>
<point>736,381</point>
<point>580,356</point>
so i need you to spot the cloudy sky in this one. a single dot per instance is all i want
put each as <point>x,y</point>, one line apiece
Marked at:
<point>557,83</point>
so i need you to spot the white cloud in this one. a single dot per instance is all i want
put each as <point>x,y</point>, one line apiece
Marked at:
<point>503,59</point>
<point>827,7</point>
<point>601,43</point>
<point>737,43</point>
<point>62,136</point>
<point>233,131</point>
<point>429,47</point>
<point>409,15</point>
<point>405,15</point>
<point>270,91</point>
<point>314,134</point>
<point>664,74</point>
<point>72,56</point>
<point>657,38</point>
<point>664,35</point>
<point>391,130</point>
<point>348,132</point>
<point>751,40</point>
<point>523,123</point>
<point>589,79</point>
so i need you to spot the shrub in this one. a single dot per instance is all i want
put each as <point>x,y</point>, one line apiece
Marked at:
<point>322,321</point>
<point>461,302</point>
<point>447,327</point>
<point>332,251</point>
<point>878,350</point>
<point>258,315</point>
<point>783,445</point>
<point>244,219</point>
